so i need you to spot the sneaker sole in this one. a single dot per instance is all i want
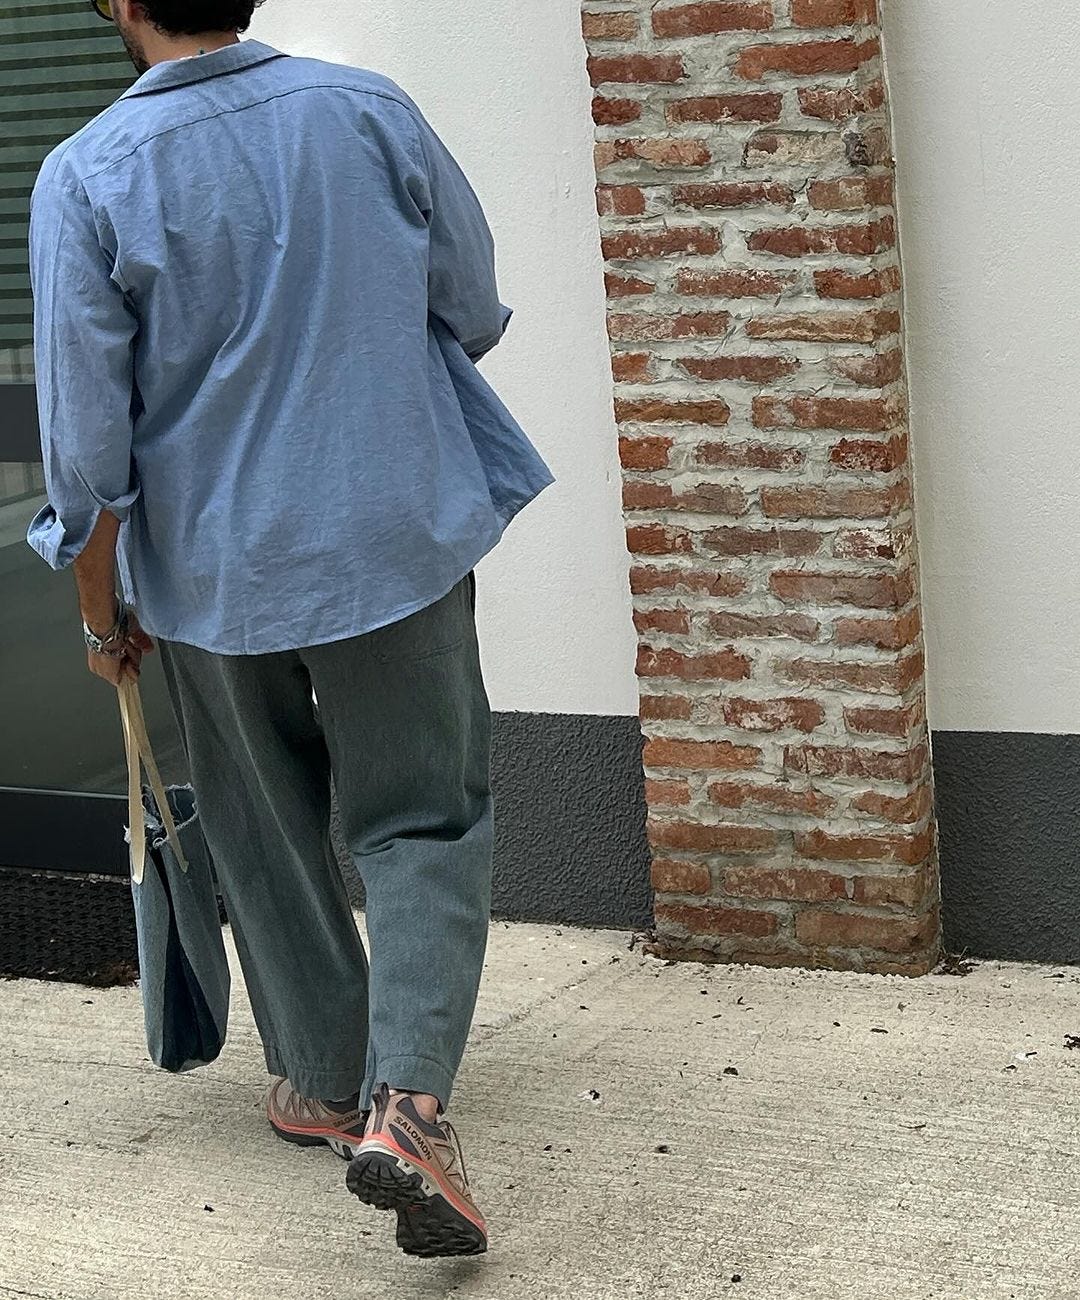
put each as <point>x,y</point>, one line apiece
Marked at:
<point>428,1223</point>
<point>336,1144</point>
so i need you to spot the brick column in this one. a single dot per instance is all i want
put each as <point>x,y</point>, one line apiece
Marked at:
<point>748,226</point>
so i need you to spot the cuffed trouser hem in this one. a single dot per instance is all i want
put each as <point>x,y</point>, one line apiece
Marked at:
<point>313,1082</point>
<point>411,1074</point>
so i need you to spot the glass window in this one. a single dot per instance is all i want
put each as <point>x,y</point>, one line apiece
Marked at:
<point>60,65</point>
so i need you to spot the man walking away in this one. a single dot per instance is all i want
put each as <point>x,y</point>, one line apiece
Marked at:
<point>260,286</point>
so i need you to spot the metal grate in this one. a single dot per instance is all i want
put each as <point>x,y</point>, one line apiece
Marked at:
<point>60,65</point>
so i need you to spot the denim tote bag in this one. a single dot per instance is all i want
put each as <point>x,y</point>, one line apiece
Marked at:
<point>184,970</point>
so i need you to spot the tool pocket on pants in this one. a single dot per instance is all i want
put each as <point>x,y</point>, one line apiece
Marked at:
<point>436,629</point>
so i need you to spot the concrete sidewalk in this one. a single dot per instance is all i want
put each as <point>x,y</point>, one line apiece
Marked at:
<point>770,1135</point>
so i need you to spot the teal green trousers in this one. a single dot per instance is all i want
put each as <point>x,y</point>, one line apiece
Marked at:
<point>402,727</point>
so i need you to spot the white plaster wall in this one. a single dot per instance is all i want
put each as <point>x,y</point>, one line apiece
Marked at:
<point>986,107</point>
<point>505,86</point>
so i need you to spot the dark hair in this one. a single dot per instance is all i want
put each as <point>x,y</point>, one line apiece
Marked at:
<point>193,17</point>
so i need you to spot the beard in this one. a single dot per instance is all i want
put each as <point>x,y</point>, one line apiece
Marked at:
<point>135,51</point>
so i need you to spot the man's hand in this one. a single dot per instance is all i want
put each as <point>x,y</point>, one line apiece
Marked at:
<point>114,668</point>
<point>95,577</point>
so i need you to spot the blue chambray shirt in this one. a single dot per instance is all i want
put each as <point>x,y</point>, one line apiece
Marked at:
<point>260,287</point>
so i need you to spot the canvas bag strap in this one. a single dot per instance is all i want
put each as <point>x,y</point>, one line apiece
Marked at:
<point>140,754</point>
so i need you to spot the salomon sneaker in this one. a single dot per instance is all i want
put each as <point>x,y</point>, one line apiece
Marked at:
<point>407,1164</point>
<point>313,1123</point>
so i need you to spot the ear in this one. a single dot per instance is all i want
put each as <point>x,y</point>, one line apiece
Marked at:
<point>131,11</point>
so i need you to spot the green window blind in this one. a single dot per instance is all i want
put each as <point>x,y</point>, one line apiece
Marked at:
<point>59,66</point>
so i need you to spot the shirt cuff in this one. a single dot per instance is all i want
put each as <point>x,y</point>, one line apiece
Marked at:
<point>60,542</point>
<point>475,353</point>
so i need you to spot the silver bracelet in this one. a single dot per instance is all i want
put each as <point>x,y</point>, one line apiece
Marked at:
<point>112,643</point>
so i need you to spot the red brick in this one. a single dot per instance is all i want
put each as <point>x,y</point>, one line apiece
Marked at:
<point>832,13</point>
<point>773,715</point>
<point>631,367</point>
<point>701,837</point>
<point>907,849</point>
<point>626,286</point>
<point>873,765</point>
<point>904,812</point>
<point>910,891</point>
<point>644,581</point>
<point>842,284</point>
<point>852,194</point>
<point>883,722</point>
<point>885,633</point>
<point>828,104</point>
<point>899,934</point>
<point>867,414</point>
<point>801,627</point>
<point>753,369</point>
<point>717,920</point>
<point>629,68</point>
<point>776,798</point>
<point>605,153</point>
<point>810,502</point>
<point>800,241</point>
<point>644,453</point>
<point>682,240</point>
<point>761,541</point>
<point>644,494</point>
<point>712,499</point>
<point>661,151</point>
<point>737,194</point>
<point>620,200</point>
<point>711,16</point>
<point>870,372</point>
<point>779,954</point>
<point>732,284</point>
<point>826,327</point>
<point>869,455</point>
<point>655,539</point>
<point>892,677</point>
<point>615,112</point>
<point>871,591</point>
<point>667,793</point>
<point>726,108</point>
<point>638,325</point>
<point>871,543</point>
<point>671,877</point>
<point>657,409</point>
<point>674,621</point>
<point>661,708</point>
<point>749,455</point>
<point>697,755</point>
<point>609,27</point>
<point>791,883</point>
<point>724,665</point>
<point>804,58</point>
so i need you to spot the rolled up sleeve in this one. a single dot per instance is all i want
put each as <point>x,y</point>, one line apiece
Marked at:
<point>462,289</point>
<point>84,332</point>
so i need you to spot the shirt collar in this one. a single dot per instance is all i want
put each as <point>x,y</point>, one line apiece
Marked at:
<point>183,72</point>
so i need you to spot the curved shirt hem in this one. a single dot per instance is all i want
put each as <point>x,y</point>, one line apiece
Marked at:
<point>348,631</point>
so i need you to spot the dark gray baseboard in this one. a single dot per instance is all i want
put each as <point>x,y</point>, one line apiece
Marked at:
<point>570,820</point>
<point>1009,816</point>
